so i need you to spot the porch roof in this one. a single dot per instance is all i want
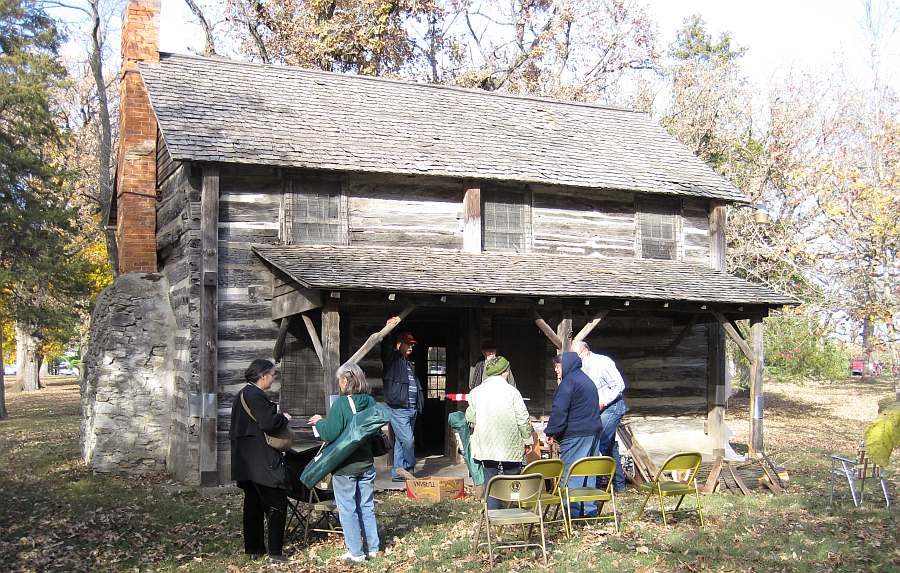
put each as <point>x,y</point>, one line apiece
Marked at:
<point>436,271</point>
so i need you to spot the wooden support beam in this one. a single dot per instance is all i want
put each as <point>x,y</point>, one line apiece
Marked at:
<point>278,352</point>
<point>757,367</point>
<point>564,332</point>
<point>547,330</point>
<point>737,479</point>
<point>295,301</point>
<point>734,335</point>
<point>314,337</point>
<point>209,318</point>
<point>589,327</point>
<point>681,336</point>
<point>472,220</point>
<point>712,480</point>
<point>645,469</point>
<point>377,337</point>
<point>331,351</point>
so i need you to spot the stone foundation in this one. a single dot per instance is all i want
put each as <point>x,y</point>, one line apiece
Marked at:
<point>128,382</point>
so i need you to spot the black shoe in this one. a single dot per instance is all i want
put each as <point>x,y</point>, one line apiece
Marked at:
<point>278,559</point>
<point>398,479</point>
<point>254,556</point>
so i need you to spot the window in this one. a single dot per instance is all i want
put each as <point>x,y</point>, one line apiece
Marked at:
<point>658,230</point>
<point>315,212</point>
<point>503,221</point>
<point>437,372</point>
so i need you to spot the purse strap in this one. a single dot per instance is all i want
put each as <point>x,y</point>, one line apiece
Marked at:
<point>352,405</point>
<point>246,407</point>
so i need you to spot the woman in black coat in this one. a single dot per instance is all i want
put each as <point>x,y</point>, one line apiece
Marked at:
<point>257,467</point>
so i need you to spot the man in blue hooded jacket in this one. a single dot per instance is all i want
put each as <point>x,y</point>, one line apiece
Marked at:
<point>575,421</point>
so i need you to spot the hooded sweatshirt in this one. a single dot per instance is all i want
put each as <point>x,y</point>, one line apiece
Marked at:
<point>574,412</point>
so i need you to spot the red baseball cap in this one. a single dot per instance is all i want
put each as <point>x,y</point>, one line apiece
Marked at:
<point>406,338</point>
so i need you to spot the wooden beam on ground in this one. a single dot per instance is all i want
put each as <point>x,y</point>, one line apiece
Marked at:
<point>331,351</point>
<point>772,481</point>
<point>589,327</point>
<point>377,337</point>
<point>547,330</point>
<point>314,337</point>
<point>734,335</point>
<point>209,318</point>
<point>737,479</point>
<point>712,480</point>
<point>278,352</point>
<point>757,368</point>
<point>645,470</point>
<point>681,336</point>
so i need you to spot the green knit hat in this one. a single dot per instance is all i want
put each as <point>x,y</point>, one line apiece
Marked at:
<point>495,366</point>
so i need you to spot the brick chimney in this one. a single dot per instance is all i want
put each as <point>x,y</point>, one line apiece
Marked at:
<point>136,172</point>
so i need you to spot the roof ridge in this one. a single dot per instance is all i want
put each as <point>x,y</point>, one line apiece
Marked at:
<point>460,89</point>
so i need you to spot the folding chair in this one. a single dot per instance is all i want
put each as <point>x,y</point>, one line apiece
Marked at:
<point>516,490</point>
<point>591,467</point>
<point>552,470</point>
<point>320,513</point>
<point>857,472</point>
<point>665,487</point>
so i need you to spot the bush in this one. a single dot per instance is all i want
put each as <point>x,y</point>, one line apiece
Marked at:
<point>797,348</point>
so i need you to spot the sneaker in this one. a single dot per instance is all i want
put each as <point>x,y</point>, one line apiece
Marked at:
<point>354,558</point>
<point>374,554</point>
<point>277,559</point>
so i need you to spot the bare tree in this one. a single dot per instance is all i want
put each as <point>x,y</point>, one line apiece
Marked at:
<point>210,48</point>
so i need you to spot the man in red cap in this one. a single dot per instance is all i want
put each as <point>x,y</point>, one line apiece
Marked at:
<point>403,393</point>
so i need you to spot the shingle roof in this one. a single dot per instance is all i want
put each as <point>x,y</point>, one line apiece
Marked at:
<point>211,109</point>
<point>501,274</point>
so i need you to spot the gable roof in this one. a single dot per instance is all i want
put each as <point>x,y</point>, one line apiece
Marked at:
<point>212,109</point>
<point>503,274</point>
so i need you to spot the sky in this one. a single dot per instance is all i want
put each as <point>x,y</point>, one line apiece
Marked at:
<point>779,34</point>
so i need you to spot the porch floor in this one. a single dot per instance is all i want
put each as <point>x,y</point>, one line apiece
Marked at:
<point>436,465</point>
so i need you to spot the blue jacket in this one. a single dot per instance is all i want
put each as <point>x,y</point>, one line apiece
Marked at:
<point>575,411</point>
<point>396,375</point>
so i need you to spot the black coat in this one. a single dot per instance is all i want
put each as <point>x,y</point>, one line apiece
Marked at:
<point>252,459</point>
<point>575,410</point>
<point>396,370</point>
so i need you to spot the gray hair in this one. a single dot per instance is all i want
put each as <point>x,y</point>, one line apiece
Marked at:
<point>579,345</point>
<point>355,377</point>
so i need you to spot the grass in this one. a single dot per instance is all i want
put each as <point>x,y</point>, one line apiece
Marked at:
<point>57,516</point>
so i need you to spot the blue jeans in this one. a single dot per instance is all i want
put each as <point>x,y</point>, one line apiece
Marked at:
<point>610,417</point>
<point>571,450</point>
<point>355,499</point>
<point>403,422</point>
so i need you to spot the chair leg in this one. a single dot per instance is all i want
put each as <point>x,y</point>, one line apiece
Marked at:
<point>487,523</point>
<point>543,543</point>
<point>678,505</point>
<point>662,508</point>
<point>644,505</point>
<point>699,506</point>
<point>615,511</point>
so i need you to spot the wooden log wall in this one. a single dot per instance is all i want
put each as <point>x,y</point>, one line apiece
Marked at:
<point>569,222</point>
<point>178,241</point>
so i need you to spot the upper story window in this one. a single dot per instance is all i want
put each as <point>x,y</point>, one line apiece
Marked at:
<point>658,229</point>
<point>504,221</point>
<point>314,212</point>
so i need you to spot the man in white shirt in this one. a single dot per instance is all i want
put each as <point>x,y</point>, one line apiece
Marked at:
<point>610,386</point>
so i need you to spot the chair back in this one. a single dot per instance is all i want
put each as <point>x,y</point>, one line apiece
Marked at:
<point>516,488</point>
<point>593,466</point>
<point>322,486</point>
<point>552,470</point>
<point>682,461</point>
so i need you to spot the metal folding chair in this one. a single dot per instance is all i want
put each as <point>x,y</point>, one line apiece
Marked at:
<point>516,490</point>
<point>857,472</point>
<point>664,487</point>
<point>591,468</point>
<point>552,470</point>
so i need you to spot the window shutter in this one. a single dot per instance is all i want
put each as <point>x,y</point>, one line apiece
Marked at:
<point>658,230</point>
<point>316,212</point>
<point>503,222</point>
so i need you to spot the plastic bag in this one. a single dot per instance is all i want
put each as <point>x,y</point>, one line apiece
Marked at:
<point>361,427</point>
<point>457,421</point>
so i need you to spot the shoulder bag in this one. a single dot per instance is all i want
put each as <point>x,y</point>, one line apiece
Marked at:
<point>380,442</point>
<point>282,440</point>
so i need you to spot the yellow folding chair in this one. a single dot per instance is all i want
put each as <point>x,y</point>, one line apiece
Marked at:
<point>591,467</point>
<point>665,487</point>
<point>552,470</point>
<point>516,490</point>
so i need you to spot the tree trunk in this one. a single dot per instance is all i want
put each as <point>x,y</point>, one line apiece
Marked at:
<point>867,336</point>
<point>104,135</point>
<point>3,413</point>
<point>28,362</point>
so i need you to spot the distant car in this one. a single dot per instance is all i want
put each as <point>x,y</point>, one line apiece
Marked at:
<point>857,366</point>
<point>66,370</point>
<point>9,370</point>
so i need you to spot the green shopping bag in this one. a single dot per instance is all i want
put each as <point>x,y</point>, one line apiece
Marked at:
<point>457,421</point>
<point>362,425</point>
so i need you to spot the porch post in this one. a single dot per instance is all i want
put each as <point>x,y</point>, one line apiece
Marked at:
<point>208,352</point>
<point>756,384</point>
<point>716,395</point>
<point>564,332</point>
<point>331,350</point>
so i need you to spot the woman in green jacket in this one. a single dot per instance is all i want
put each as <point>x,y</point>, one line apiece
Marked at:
<point>354,480</point>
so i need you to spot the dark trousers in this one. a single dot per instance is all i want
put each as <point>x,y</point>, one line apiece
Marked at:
<point>494,468</point>
<point>263,503</point>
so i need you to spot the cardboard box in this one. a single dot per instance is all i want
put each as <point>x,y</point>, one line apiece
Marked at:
<point>435,488</point>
